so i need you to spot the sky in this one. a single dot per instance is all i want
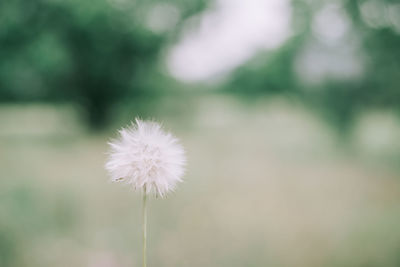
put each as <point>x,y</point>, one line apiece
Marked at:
<point>227,35</point>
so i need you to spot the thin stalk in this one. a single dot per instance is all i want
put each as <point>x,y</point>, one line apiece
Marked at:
<point>144,216</point>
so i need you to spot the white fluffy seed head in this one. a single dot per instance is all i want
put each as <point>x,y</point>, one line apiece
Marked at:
<point>146,157</point>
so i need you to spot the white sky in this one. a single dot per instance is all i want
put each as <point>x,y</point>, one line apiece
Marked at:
<point>227,35</point>
<point>332,53</point>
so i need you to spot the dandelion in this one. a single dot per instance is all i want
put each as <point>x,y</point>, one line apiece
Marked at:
<point>147,158</point>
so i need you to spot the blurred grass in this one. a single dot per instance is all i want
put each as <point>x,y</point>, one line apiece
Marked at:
<point>267,185</point>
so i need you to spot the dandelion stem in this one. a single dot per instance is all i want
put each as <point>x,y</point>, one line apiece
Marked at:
<point>144,216</point>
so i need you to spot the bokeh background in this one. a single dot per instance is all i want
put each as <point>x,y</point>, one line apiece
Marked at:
<point>288,110</point>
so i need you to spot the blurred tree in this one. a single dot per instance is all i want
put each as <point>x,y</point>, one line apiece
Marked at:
<point>338,99</point>
<point>96,53</point>
<point>381,42</point>
<point>89,52</point>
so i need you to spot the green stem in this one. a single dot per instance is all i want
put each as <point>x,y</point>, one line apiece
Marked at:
<point>144,216</point>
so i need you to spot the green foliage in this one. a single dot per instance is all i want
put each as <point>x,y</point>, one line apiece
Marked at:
<point>88,52</point>
<point>337,100</point>
<point>98,53</point>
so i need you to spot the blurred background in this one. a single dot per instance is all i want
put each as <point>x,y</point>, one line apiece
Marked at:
<point>288,109</point>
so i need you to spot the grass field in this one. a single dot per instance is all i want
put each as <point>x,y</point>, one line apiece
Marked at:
<point>267,184</point>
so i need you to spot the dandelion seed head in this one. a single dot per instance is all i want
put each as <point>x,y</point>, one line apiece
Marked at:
<point>146,157</point>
